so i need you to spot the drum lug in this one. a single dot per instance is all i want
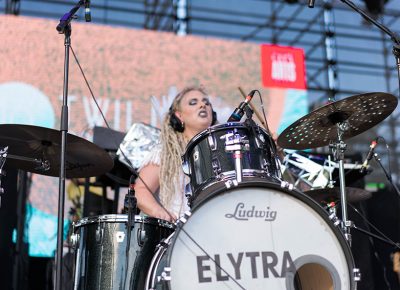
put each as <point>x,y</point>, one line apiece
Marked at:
<point>287,185</point>
<point>212,143</point>
<point>99,233</point>
<point>332,214</point>
<point>183,218</point>
<point>216,166</point>
<point>260,141</point>
<point>356,274</point>
<point>165,275</point>
<point>188,191</point>
<point>74,239</point>
<point>230,183</point>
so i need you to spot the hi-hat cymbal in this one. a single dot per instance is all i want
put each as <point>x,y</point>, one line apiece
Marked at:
<point>319,128</point>
<point>27,143</point>
<point>327,195</point>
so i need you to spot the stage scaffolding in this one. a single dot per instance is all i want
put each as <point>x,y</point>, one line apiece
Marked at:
<point>344,55</point>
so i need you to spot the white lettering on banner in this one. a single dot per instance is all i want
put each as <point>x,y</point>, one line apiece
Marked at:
<point>117,114</point>
<point>128,121</point>
<point>261,264</point>
<point>283,67</point>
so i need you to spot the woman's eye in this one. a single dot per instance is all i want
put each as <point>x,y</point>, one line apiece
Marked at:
<point>206,102</point>
<point>193,102</point>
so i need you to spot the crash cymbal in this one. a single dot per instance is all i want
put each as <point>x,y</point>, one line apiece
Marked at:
<point>327,195</point>
<point>319,128</point>
<point>27,143</point>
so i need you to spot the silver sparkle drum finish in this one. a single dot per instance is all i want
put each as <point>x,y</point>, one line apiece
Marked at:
<point>101,260</point>
<point>256,235</point>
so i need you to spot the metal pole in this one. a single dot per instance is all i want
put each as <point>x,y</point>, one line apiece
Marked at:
<point>64,132</point>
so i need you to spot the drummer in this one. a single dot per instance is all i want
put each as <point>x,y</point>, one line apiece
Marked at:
<point>160,189</point>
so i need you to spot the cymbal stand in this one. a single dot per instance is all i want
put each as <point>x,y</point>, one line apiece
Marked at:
<point>3,156</point>
<point>338,150</point>
<point>393,36</point>
<point>64,27</point>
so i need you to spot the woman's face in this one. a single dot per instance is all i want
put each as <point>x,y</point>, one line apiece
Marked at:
<point>194,110</point>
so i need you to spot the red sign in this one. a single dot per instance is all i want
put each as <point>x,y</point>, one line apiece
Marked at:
<point>282,67</point>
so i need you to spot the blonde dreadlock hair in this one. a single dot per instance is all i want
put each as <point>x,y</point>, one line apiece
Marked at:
<point>173,147</point>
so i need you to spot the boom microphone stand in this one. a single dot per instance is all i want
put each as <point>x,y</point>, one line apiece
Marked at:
<point>395,38</point>
<point>64,27</point>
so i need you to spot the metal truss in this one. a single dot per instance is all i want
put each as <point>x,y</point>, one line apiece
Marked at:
<point>344,55</point>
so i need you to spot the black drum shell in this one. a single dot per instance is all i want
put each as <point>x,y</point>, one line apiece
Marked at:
<point>206,160</point>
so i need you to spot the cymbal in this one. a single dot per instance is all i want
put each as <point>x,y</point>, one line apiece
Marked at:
<point>319,128</point>
<point>27,143</point>
<point>327,195</point>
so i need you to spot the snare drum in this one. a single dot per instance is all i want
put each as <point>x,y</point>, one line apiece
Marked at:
<point>101,253</point>
<point>254,236</point>
<point>206,159</point>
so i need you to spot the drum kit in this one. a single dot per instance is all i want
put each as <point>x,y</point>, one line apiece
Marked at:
<point>248,228</point>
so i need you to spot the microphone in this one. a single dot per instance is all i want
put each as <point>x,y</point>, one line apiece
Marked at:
<point>88,16</point>
<point>311,3</point>
<point>369,155</point>
<point>238,113</point>
<point>130,201</point>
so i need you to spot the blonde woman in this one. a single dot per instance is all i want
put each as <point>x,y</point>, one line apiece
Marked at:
<point>160,190</point>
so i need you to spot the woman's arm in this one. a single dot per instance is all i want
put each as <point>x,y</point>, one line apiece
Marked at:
<point>150,175</point>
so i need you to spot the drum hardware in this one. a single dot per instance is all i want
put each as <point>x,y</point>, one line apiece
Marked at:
<point>332,124</point>
<point>216,166</point>
<point>74,238</point>
<point>356,274</point>
<point>332,213</point>
<point>205,166</point>
<point>3,156</point>
<point>99,232</point>
<point>338,150</point>
<point>130,205</point>
<point>332,194</point>
<point>236,144</point>
<point>212,143</point>
<point>37,150</point>
<point>230,183</point>
<point>287,185</point>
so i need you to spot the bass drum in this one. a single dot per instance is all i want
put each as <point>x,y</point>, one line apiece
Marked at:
<point>256,235</point>
<point>101,260</point>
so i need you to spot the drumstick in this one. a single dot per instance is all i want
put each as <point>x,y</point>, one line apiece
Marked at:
<point>258,115</point>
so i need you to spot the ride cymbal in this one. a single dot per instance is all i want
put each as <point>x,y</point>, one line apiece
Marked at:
<point>319,128</point>
<point>38,149</point>
<point>327,195</point>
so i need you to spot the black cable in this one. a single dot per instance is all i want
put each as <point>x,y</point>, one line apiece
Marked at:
<point>133,170</point>
<point>272,151</point>
<point>371,240</point>
<point>390,241</point>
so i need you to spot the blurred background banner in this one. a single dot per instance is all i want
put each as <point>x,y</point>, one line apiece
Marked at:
<point>133,75</point>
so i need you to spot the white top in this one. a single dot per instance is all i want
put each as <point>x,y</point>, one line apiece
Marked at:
<point>179,204</point>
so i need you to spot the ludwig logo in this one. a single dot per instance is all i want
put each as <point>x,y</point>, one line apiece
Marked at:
<point>244,214</point>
